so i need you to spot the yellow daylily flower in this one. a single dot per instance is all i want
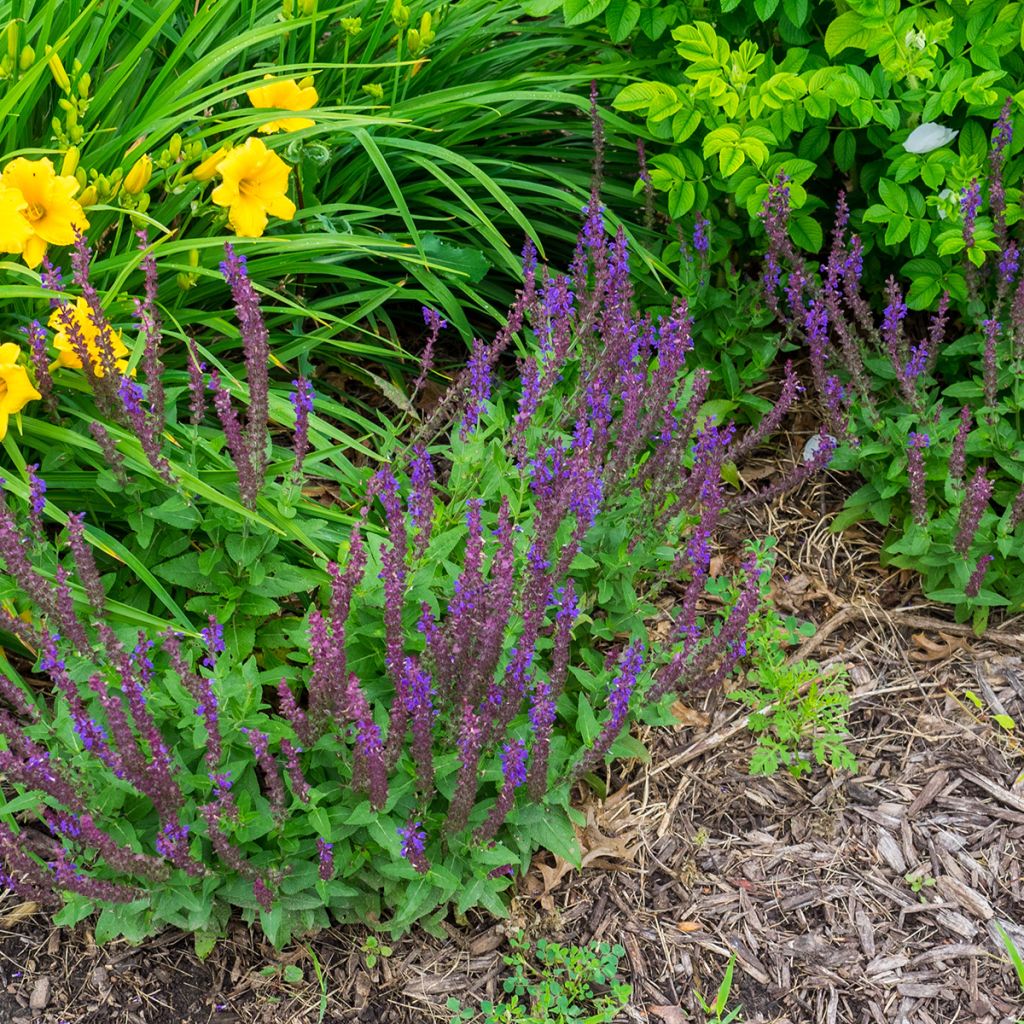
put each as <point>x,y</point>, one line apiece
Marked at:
<point>285,94</point>
<point>208,168</point>
<point>66,354</point>
<point>50,211</point>
<point>16,389</point>
<point>254,186</point>
<point>15,231</point>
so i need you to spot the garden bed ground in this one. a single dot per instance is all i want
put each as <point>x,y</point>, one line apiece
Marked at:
<point>691,859</point>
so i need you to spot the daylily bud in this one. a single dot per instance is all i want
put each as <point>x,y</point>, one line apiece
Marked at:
<point>399,14</point>
<point>138,177</point>
<point>76,134</point>
<point>88,196</point>
<point>27,58</point>
<point>84,84</point>
<point>287,9</point>
<point>927,137</point>
<point>60,76</point>
<point>174,146</point>
<point>193,257</point>
<point>422,38</point>
<point>352,26</point>
<point>12,40</point>
<point>208,168</point>
<point>81,177</point>
<point>70,164</point>
<point>374,90</point>
<point>306,83</point>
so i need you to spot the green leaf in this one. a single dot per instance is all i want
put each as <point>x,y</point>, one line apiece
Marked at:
<point>577,12</point>
<point>551,829</point>
<point>845,150</point>
<point>764,9</point>
<point>730,161</point>
<point>893,196</point>
<point>806,233</point>
<point>848,30</point>
<point>620,18</point>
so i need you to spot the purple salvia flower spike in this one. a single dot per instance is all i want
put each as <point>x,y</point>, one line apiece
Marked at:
<point>414,846</point>
<point>915,469</point>
<point>975,502</point>
<point>256,344</point>
<point>973,587</point>
<point>302,402</point>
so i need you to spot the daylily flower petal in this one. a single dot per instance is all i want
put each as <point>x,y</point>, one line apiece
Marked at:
<point>284,94</point>
<point>248,218</point>
<point>927,137</point>
<point>255,184</point>
<point>50,211</point>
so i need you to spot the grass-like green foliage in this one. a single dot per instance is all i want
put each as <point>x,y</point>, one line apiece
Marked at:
<point>555,984</point>
<point>413,181</point>
<point>168,773</point>
<point>734,92</point>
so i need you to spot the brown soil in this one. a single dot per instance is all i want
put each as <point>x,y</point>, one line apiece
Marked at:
<point>852,899</point>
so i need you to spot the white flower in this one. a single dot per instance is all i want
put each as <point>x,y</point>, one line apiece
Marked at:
<point>915,40</point>
<point>928,136</point>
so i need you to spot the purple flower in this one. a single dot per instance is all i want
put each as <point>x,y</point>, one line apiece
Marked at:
<point>513,770</point>
<point>973,587</point>
<point>213,637</point>
<point>1002,136</point>
<point>435,325</point>
<point>263,895</point>
<point>36,336</point>
<point>256,345</point>
<point>36,499</point>
<point>302,402</point>
<point>970,203</point>
<point>479,367</point>
<point>915,470</point>
<point>414,846</point>
<point>701,242</point>
<point>631,663</point>
<point>976,497</point>
<point>325,852</point>
<point>196,384</point>
<point>958,457</point>
<point>1009,263</point>
<point>421,500</point>
<point>991,328</point>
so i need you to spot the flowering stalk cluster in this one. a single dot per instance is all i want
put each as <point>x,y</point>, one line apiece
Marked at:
<point>841,333</point>
<point>607,425</point>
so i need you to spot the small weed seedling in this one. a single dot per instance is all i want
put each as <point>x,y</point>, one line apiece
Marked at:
<point>717,1007</point>
<point>372,951</point>
<point>918,881</point>
<point>797,711</point>
<point>554,984</point>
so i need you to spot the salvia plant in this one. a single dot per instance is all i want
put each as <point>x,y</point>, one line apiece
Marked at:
<point>390,707</point>
<point>928,410</point>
